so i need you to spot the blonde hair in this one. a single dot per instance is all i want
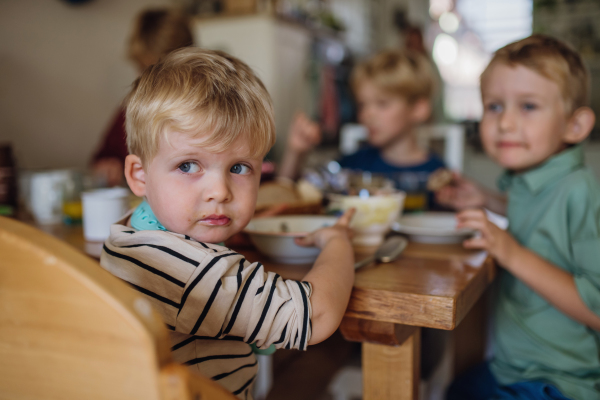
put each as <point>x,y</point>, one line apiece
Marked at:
<point>199,91</point>
<point>554,60</point>
<point>404,73</point>
<point>157,32</point>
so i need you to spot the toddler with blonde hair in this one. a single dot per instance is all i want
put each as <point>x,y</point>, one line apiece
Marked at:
<point>199,123</point>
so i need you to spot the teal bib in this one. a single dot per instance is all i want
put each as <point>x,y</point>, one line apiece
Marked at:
<point>143,219</point>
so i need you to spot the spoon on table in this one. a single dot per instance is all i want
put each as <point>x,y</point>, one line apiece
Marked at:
<point>387,252</point>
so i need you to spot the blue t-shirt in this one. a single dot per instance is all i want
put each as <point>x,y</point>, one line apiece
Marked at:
<point>410,178</point>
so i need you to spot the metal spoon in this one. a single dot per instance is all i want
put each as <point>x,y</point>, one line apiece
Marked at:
<point>388,251</point>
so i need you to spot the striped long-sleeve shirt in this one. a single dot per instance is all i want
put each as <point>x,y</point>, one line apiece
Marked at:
<point>213,299</point>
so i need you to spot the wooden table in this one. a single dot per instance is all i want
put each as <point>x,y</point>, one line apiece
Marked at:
<point>431,286</point>
<point>434,286</point>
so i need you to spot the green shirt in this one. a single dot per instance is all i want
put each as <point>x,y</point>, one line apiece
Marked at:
<point>553,210</point>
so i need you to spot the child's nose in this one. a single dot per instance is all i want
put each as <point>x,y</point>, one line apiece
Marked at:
<point>508,120</point>
<point>217,190</point>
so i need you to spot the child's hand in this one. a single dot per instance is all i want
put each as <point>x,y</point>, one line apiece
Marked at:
<point>321,237</point>
<point>461,194</point>
<point>499,243</point>
<point>304,134</point>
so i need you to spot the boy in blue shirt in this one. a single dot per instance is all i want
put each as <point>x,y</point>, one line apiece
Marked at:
<point>393,90</point>
<point>547,317</point>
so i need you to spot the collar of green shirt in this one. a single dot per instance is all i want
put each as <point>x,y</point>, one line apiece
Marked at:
<point>551,170</point>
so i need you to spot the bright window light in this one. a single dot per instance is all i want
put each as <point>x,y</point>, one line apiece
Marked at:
<point>468,32</point>
<point>497,22</point>
<point>445,49</point>
<point>449,22</point>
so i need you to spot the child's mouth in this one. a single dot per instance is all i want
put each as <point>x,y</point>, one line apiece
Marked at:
<point>510,145</point>
<point>214,219</point>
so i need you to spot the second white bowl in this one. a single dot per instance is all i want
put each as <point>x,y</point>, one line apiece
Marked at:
<point>374,214</point>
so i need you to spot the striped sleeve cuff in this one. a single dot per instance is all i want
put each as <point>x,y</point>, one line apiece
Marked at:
<point>287,324</point>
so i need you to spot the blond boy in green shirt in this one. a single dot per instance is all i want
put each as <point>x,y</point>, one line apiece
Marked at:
<point>547,320</point>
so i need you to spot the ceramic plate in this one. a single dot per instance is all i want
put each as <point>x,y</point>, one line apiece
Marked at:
<point>431,227</point>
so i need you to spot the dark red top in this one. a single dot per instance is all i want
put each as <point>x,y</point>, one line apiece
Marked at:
<point>114,144</point>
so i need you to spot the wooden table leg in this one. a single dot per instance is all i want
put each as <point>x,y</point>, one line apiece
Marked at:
<point>392,372</point>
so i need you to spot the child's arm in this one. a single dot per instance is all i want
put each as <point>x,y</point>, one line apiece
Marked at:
<point>303,136</point>
<point>554,284</point>
<point>332,277</point>
<point>463,194</point>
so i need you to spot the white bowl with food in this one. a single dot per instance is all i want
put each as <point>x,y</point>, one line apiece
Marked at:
<point>375,213</point>
<point>274,236</point>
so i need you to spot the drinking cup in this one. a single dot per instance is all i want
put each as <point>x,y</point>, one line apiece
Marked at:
<point>101,209</point>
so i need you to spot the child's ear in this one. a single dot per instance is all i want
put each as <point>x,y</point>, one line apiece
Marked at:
<point>135,175</point>
<point>580,125</point>
<point>421,110</point>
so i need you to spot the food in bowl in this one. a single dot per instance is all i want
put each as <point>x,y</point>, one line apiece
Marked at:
<point>274,236</point>
<point>374,216</point>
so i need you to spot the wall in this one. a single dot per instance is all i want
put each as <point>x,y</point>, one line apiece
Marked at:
<point>63,74</point>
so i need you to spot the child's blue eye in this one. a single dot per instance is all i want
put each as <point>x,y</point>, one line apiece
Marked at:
<point>189,167</point>
<point>529,106</point>
<point>240,169</point>
<point>494,107</point>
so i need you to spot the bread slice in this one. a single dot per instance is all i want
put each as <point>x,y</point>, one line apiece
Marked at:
<point>301,198</point>
<point>439,178</point>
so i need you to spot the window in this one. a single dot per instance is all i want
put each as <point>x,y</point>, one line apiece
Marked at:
<point>465,34</point>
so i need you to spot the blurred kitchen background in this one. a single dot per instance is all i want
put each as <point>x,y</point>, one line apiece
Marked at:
<point>64,70</point>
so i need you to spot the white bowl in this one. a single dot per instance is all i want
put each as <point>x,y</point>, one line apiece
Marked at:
<point>432,227</point>
<point>374,214</point>
<point>274,236</point>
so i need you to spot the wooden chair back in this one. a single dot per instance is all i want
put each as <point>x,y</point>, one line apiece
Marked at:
<point>71,330</point>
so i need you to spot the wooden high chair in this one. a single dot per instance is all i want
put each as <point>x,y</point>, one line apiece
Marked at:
<point>71,330</point>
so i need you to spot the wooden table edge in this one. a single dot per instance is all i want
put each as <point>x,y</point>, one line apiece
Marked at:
<point>374,304</point>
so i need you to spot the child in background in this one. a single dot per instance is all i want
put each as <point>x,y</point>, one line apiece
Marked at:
<point>393,90</point>
<point>198,126</point>
<point>156,33</point>
<point>547,318</point>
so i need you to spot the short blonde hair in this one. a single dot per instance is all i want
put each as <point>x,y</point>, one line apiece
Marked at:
<point>203,92</point>
<point>554,60</point>
<point>407,74</point>
<point>157,32</point>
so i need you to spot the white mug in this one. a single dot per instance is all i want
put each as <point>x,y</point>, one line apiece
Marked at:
<point>45,197</point>
<point>101,209</point>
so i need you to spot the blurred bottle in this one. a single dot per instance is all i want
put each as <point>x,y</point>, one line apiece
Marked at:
<point>72,188</point>
<point>8,181</point>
